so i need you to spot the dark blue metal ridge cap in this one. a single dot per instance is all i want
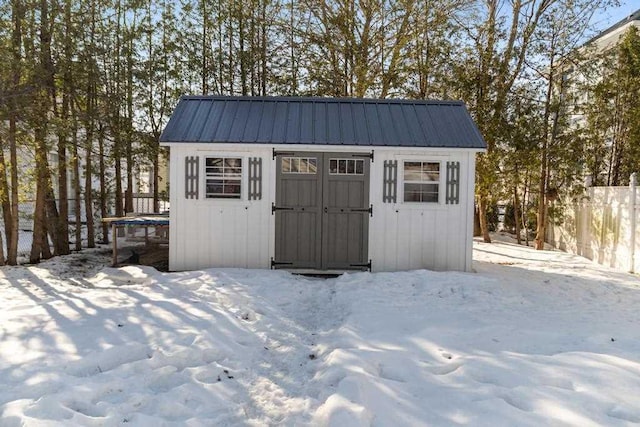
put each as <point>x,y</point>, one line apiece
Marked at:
<point>322,99</point>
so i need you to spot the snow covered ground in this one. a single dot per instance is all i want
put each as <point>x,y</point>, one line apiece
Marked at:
<point>532,338</point>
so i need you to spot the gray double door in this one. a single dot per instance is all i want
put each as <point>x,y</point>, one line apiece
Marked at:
<point>322,211</point>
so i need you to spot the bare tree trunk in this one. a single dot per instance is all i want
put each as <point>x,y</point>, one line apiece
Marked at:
<point>77,191</point>
<point>128,201</point>
<point>62,225</point>
<point>40,245</point>
<point>482,212</point>
<point>12,244</point>
<point>45,245</point>
<point>516,214</point>
<point>1,250</point>
<point>17,12</point>
<point>5,202</point>
<point>90,125</point>
<point>525,203</point>
<point>118,195</point>
<point>53,217</point>
<point>88,190</point>
<point>103,185</point>
<point>156,182</point>
<point>88,174</point>
<point>477,231</point>
<point>205,26</point>
<point>39,228</point>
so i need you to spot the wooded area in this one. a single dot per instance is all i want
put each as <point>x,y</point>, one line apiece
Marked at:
<point>93,82</point>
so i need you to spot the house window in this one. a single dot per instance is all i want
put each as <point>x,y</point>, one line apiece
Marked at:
<point>421,181</point>
<point>346,166</point>
<point>223,177</point>
<point>306,165</point>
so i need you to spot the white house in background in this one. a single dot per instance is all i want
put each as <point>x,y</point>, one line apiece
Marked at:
<point>610,37</point>
<point>603,42</point>
<point>321,184</point>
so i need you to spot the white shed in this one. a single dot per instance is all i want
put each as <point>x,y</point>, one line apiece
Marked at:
<point>321,184</point>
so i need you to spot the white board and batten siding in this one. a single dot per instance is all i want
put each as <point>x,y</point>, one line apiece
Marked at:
<point>435,236</point>
<point>241,233</point>
<point>219,232</point>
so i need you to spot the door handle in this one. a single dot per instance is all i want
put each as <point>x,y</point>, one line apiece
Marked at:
<point>326,210</point>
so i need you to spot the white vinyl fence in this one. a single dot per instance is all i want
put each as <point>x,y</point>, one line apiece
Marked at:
<point>602,226</point>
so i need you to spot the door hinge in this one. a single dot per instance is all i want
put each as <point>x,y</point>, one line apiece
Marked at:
<point>368,265</point>
<point>275,153</point>
<point>275,263</point>
<point>277,208</point>
<point>370,155</point>
<point>369,209</point>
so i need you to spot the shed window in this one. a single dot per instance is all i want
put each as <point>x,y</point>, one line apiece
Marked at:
<point>308,165</point>
<point>421,181</point>
<point>223,178</point>
<point>346,166</point>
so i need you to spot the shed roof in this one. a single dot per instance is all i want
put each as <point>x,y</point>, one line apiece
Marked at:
<point>322,121</point>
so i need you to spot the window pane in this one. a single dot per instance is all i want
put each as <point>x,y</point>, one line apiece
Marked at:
<point>346,166</point>
<point>223,177</point>
<point>210,170</point>
<point>295,163</point>
<point>231,188</point>
<point>286,164</point>
<point>351,166</point>
<point>210,161</point>
<point>430,197</point>
<point>412,171</point>
<point>342,166</point>
<point>431,176</point>
<point>431,167</point>
<point>233,163</point>
<point>213,188</point>
<point>299,165</point>
<point>421,193</point>
<point>431,171</point>
<point>313,165</point>
<point>411,196</point>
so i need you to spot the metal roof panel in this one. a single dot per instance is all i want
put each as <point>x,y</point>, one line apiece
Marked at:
<point>320,132</point>
<point>360,124</point>
<point>307,124</point>
<point>374,128</point>
<point>240,121</point>
<point>293,123</point>
<point>322,121</point>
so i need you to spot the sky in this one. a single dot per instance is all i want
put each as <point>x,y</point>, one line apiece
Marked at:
<point>606,18</point>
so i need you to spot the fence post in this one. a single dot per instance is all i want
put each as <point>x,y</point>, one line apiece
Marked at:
<point>632,214</point>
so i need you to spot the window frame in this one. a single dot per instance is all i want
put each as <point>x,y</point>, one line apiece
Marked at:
<point>241,178</point>
<point>300,158</point>
<point>357,171</point>
<point>402,181</point>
